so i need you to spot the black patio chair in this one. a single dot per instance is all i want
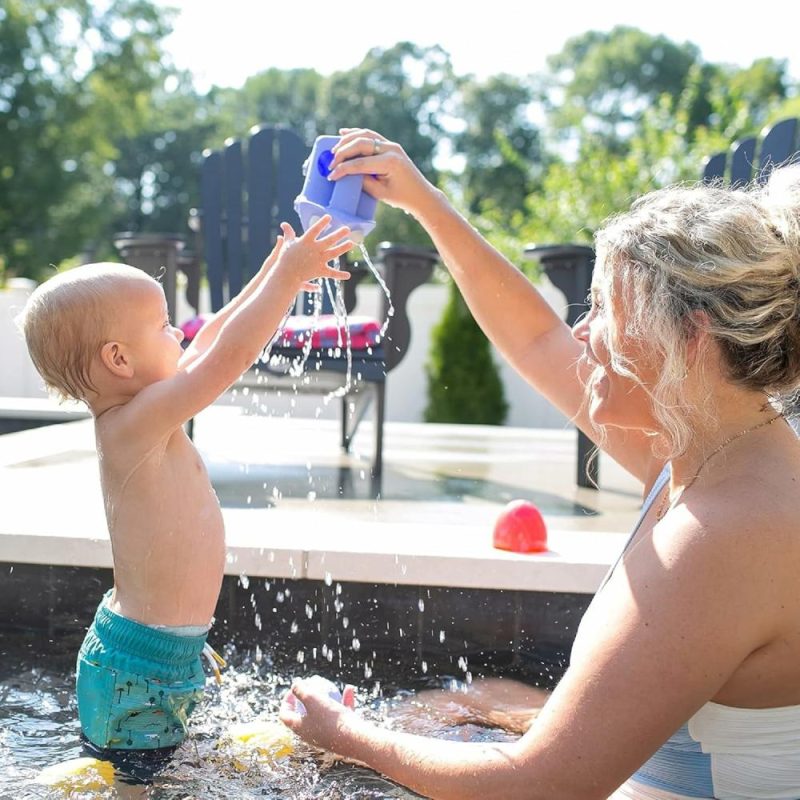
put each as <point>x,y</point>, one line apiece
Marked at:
<point>247,190</point>
<point>753,158</point>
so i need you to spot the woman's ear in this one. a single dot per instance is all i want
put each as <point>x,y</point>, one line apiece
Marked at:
<point>115,359</point>
<point>698,336</point>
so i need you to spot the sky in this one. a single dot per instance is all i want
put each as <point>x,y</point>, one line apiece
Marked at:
<point>223,42</point>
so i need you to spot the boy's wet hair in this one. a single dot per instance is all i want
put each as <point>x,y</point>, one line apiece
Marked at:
<point>66,323</point>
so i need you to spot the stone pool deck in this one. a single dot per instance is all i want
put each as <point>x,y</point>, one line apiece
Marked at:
<point>296,508</point>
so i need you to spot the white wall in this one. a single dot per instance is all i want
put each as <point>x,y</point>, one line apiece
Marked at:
<point>18,377</point>
<point>406,388</point>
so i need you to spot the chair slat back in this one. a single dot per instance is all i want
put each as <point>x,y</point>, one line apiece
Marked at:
<point>742,160</point>
<point>778,147</point>
<point>755,157</point>
<point>247,190</point>
<point>714,168</point>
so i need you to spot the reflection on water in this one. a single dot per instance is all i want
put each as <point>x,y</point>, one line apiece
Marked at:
<point>253,488</point>
<point>38,728</point>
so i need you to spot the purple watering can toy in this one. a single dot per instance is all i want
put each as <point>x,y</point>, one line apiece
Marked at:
<point>344,199</point>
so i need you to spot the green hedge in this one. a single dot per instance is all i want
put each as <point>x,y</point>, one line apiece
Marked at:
<point>464,384</point>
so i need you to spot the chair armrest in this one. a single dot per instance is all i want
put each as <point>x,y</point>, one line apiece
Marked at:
<point>189,265</point>
<point>403,267</point>
<point>569,268</point>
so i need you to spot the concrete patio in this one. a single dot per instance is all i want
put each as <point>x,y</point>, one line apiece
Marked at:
<point>295,507</point>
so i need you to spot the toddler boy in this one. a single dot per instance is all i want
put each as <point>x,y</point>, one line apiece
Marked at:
<point>100,333</point>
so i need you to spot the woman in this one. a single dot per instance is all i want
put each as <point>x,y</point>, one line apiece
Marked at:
<point>684,679</point>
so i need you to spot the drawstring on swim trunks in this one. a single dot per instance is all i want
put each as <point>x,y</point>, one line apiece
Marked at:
<point>215,661</point>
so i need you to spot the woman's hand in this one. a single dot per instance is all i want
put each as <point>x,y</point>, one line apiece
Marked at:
<point>389,174</point>
<point>323,721</point>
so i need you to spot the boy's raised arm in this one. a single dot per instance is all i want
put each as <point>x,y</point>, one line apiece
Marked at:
<point>241,334</point>
<point>206,335</point>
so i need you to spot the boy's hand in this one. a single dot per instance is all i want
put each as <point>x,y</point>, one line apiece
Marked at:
<point>289,236</point>
<point>306,257</point>
<point>269,261</point>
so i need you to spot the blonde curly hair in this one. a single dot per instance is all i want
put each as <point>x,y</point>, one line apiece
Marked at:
<point>732,254</point>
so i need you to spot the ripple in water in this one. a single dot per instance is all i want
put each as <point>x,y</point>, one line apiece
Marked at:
<point>38,728</point>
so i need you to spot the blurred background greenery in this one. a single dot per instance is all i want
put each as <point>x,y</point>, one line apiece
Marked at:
<point>100,135</point>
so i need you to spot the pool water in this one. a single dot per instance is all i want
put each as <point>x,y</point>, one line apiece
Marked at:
<point>38,728</point>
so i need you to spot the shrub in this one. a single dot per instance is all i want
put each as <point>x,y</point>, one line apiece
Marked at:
<point>464,384</point>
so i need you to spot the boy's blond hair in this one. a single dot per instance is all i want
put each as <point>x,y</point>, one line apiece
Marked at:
<point>66,322</point>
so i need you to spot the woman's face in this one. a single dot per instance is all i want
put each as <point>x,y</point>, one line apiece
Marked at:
<point>616,399</point>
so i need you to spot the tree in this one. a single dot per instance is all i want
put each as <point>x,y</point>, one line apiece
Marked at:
<point>156,170</point>
<point>603,82</point>
<point>289,98</point>
<point>72,77</point>
<point>501,147</point>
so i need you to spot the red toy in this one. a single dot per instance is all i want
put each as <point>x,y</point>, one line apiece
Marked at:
<point>520,528</point>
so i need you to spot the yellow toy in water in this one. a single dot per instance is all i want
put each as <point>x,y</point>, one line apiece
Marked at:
<point>260,740</point>
<point>78,775</point>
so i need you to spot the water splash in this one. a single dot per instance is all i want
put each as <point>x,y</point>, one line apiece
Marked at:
<point>382,284</point>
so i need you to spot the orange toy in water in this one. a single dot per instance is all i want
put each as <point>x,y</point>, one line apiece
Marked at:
<point>520,528</point>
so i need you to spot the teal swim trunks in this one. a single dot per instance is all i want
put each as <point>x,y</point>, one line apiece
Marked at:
<point>137,685</point>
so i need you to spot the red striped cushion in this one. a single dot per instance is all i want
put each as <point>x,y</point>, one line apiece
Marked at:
<point>328,332</point>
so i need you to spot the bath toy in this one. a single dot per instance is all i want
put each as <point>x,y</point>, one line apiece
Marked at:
<point>344,199</point>
<point>78,775</point>
<point>321,683</point>
<point>520,528</point>
<point>259,740</point>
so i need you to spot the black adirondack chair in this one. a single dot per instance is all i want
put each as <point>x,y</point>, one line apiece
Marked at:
<point>753,158</point>
<point>247,189</point>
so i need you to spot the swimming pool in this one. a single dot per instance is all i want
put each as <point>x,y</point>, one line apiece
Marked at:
<point>38,721</point>
<point>393,596</point>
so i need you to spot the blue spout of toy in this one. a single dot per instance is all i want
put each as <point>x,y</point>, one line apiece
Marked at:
<point>344,199</point>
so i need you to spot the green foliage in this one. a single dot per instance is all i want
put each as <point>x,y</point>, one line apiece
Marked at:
<point>157,169</point>
<point>463,381</point>
<point>399,91</point>
<point>607,81</point>
<point>61,107</point>
<point>501,147</point>
<point>289,98</point>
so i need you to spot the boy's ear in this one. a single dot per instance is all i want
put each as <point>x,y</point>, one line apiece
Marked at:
<point>115,359</point>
